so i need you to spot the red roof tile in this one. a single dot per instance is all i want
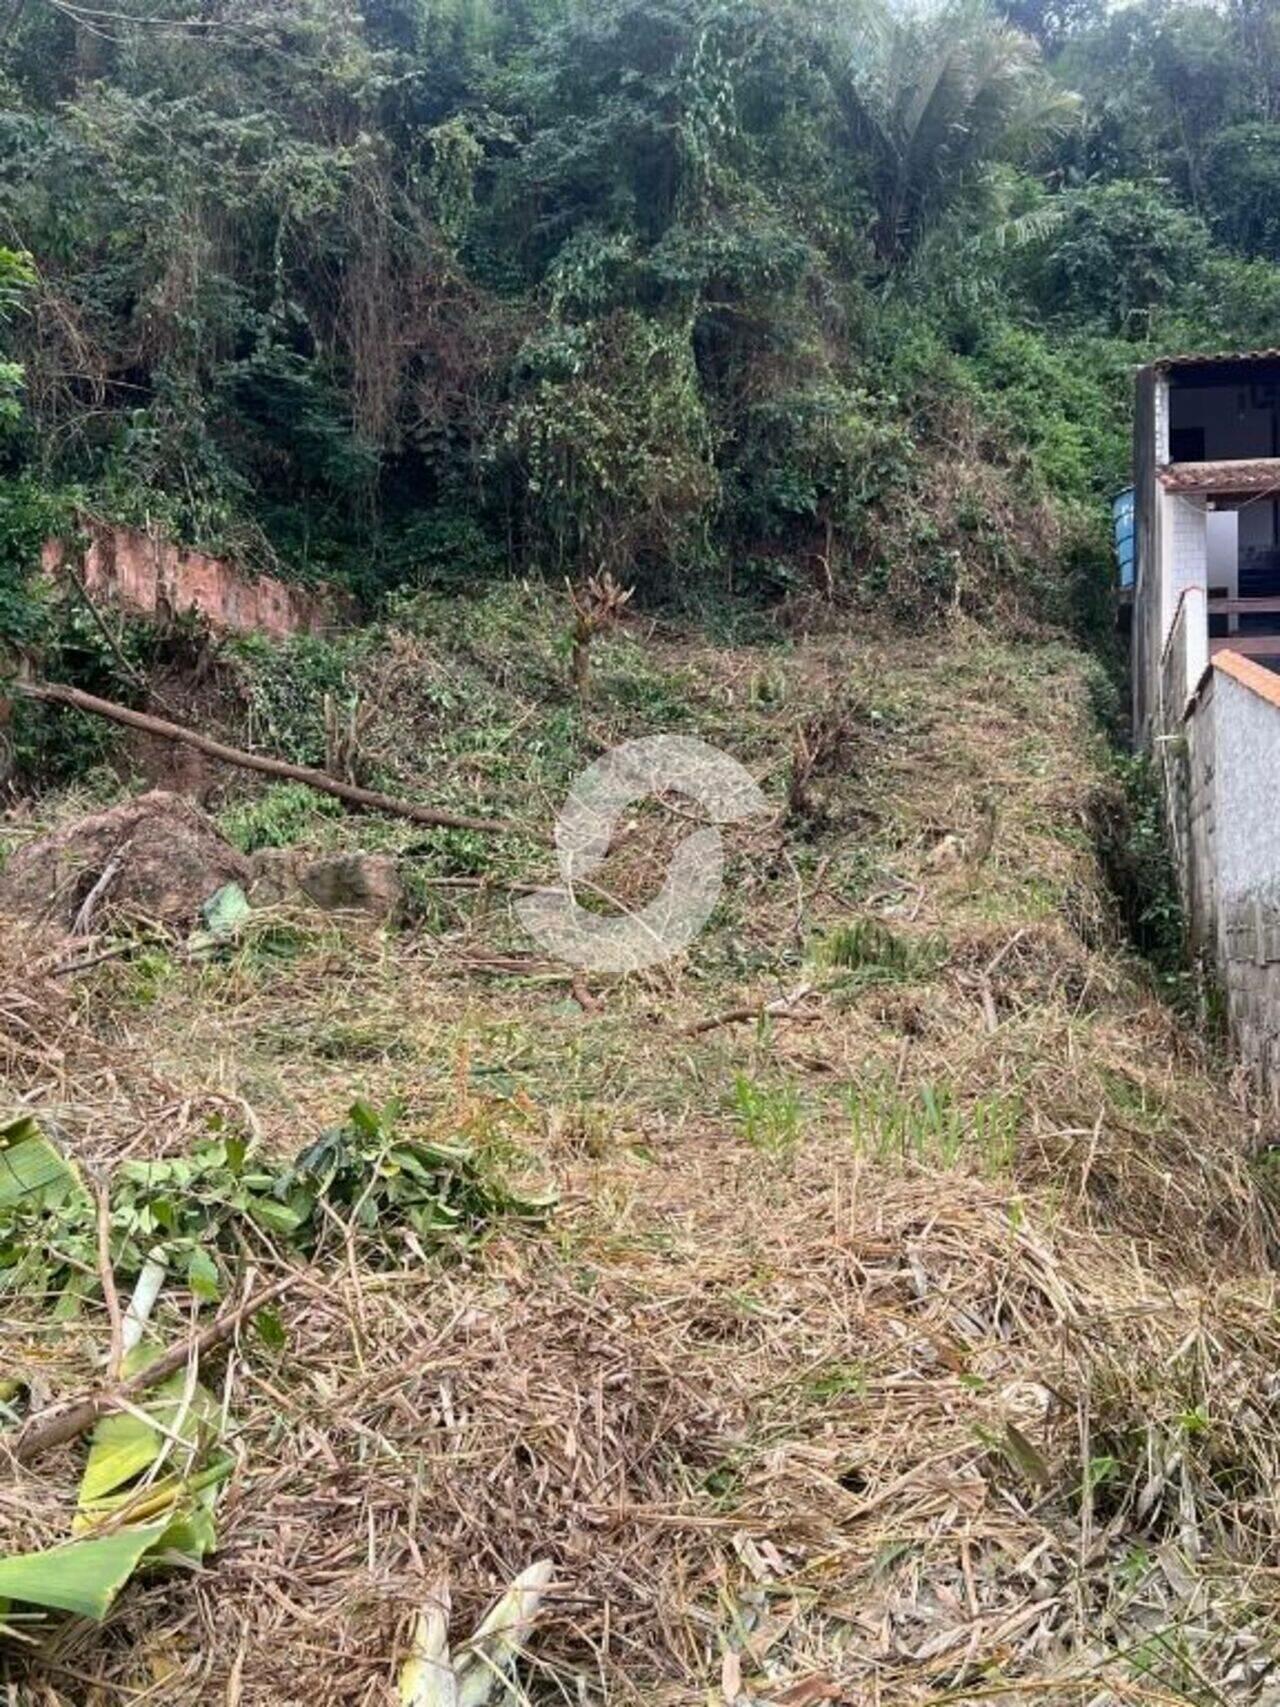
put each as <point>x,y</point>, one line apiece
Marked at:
<point>1264,682</point>
<point>1259,474</point>
<point>1198,359</point>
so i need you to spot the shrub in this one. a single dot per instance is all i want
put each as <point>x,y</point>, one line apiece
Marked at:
<point>611,442</point>
<point>1242,178</point>
<point>1122,252</point>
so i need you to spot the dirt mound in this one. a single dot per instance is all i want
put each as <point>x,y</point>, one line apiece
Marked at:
<point>155,855</point>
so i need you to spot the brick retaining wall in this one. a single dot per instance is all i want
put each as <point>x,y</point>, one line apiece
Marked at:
<point>155,578</point>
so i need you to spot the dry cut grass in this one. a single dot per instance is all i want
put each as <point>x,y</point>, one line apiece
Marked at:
<point>914,1344</point>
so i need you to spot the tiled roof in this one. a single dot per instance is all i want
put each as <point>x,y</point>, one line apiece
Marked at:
<point>1264,682</point>
<point>1259,474</point>
<point>1199,359</point>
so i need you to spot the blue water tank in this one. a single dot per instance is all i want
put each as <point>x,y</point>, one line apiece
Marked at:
<point>1122,521</point>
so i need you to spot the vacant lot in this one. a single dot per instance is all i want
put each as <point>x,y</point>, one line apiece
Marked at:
<point>897,1324</point>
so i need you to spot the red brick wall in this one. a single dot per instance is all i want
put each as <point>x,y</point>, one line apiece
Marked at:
<point>153,578</point>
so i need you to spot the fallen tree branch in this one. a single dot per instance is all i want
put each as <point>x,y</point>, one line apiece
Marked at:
<point>362,799</point>
<point>58,1424</point>
<point>783,1008</point>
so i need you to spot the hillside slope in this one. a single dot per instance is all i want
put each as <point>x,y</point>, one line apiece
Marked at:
<point>916,1343</point>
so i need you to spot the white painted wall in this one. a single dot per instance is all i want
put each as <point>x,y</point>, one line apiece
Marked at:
<point>1183,554</point>
<point>1186,658</point>
<point>1161,422</point>
<point>1248,784</point>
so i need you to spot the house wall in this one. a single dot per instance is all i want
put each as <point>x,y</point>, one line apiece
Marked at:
<point>1172,563</point>
<point>1157,426</point>
<point>1249,751</point>
<point>1213,730</point>
<point>1185,659</point>
<point>1150,410</point>
<point>1185,551</point>
<point>1199,855</point>
<point>1221,778</point>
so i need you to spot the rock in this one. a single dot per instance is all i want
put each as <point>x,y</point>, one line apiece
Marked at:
<point>155,855</point>
<point>273,878</point>
<point>352,882</point>
<point>341,882</point>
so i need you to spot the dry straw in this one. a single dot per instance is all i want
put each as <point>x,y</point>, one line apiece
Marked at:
<point>919,1348</point>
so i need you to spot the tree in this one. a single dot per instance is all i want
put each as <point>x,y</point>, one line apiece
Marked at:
<point>1122,252</point>
<point>1242,187</point>
<point>934,102</point>
<point>1052,22</point>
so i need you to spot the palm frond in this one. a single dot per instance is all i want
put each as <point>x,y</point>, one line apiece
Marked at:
<point>1027,228</point>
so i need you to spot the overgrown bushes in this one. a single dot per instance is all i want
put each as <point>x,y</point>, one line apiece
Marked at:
<point>706,293</point>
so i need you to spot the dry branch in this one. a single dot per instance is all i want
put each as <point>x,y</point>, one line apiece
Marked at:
<point>106,1276</point>
<point>362,799</point>
<point>783,1008</point>
<point>64,1422</point>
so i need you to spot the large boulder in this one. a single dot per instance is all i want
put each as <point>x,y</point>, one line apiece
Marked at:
<point>366,883</point>
<point>353,882</point>
<point>155,856</point>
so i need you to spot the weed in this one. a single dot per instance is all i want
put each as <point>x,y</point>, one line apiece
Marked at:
<point>287,687</point>
<point>281,815</point>
<point>1133,1103</point>
<point>770,1115</point>
<point>931,1128</point>
<point>838,1380</point>
<point>867,952</point>
<point>1133,846</point>
<point>395,1188</point>
<point>768,688</point>
<point>147,975</point>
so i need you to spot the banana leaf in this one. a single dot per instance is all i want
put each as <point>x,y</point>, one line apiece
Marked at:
<point>82,1577</point>
<point>495,1647</point>
<point>124,1445</point>
<point>427,1677</point>
<point>33,1172</point>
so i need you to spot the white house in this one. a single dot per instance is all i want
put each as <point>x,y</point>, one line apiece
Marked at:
<point>1206,661</point>
<point>1206,516</point>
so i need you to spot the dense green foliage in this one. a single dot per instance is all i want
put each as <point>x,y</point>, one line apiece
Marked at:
<point>746,293</point>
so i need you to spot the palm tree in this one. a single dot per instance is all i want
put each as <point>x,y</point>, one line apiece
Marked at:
<point>937,99</point>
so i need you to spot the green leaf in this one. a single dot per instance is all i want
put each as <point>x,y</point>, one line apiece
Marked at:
<point>191,1533</point>
<point>277,1216</point>
<point>365,1119</point>
<point>32,1170</point>
<point>203,1277</point>
<point>1025,1458</point>
<point>83,1577</point>
<point>270,1329</point>
<point>226,910</point>
<point>124,1445</point>
<point>223,913</point>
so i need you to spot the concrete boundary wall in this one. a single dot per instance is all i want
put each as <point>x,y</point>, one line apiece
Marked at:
<point>1186,653</point>
<point>1220,761</point>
